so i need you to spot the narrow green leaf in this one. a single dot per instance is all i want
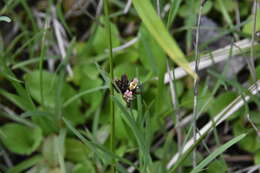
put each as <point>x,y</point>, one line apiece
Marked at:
<point>216,153</point>
<point>98,149</point>
<point>21,102</point>
<point>225,13</point>
<point>25,164</point>
<point>79,95</point>
<point>175,4</point>
<point>157,29</point>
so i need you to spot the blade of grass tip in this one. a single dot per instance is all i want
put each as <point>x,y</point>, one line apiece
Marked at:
<point>216,153</point>
<point>157,29</point>
<point>175,4</point>
<point>112,106</point>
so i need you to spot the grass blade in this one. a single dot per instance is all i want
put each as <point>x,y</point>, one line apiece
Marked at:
<point>79,95</point>
<point>25,164</point>
<point>157,29</point>
<point>216,153</point>
<point>175,4</point>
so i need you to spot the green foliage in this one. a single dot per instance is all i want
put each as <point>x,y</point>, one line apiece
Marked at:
<point>229,5</point>
<point>250,142</point>
<point>76,151</point>
<point>221,102</point>
<point>15,137</point>
<point>51,85</point>
<point>55,121</point>
<point>99,42</point>
<point>157,29</point>
<point>185,9</point>
<point>187,99</point>
<point>257,157</point>
<point>217,166</point>
<point>248,28</point>
<point>217,152</point>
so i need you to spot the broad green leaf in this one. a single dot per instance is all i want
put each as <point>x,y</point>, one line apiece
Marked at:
<point>93,99</point>
<point>21,139</point>
<point>257,157</point>
<point>121,127</point>
<point>157,29</point>
<point>216,153</point>
<point>255,117</point>
<point>99,43</point>
<point>130,70</point>
<point>45,120</point>
<point>251,142</point>
<point>81,71</point>
<point>217,166</point>
<point>51,83</point>
<point>86,167</point>
<point>76,151</point>
<point>129,55</point>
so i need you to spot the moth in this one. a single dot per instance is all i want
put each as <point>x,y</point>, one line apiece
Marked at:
<point>127,88</point>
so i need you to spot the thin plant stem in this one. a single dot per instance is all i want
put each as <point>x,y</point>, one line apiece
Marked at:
<point>196,83</point>
<point>112,107</point>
